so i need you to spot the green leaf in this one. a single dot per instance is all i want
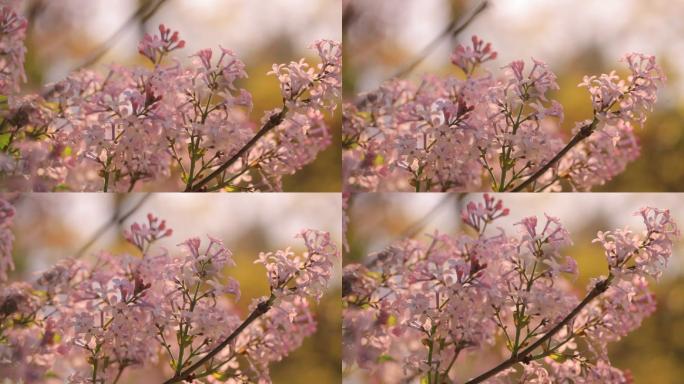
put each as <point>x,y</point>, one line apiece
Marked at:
<point>62,188</point>
<point>4,140</point>
<point>509,345</point>
<point>384,358</point>
<point>558,357</point>
<point>374,275</point>
<point>51,375</point>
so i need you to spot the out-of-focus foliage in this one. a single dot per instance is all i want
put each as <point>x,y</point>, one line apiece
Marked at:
<point>654,353</point>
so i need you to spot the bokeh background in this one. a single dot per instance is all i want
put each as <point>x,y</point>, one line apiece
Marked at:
<point>575,37</point>
<point>654,353</point>
<point>50,227</point>
<point>65,34</point>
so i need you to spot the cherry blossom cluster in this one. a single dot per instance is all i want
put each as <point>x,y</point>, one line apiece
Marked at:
<point>501,131</point>
<point>164,126</point>
<point>92,322</point>
<point>417,309</point>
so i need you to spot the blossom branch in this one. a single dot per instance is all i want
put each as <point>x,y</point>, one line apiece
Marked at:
<point>124,309</point>
<point>272,122</point>
<point>439,135</point>
<point>163,121</point>
<point>524,355</point>
<point>259,311</point>
<point>583,133</point>
<point>458,291</point>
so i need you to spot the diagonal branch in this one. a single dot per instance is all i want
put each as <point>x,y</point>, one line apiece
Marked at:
<point>272,122</point>
<point>583,133</point>
<point>452,29</point>
<point>524,355</point>
<point>144,12</point>
<point>188,374</point>
<point>417,226</point>
<point>117,218</point>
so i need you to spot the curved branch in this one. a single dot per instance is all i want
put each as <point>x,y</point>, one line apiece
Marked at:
<point>524,355</point>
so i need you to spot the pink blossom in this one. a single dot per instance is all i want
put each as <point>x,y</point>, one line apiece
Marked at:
<point>630,98</point>
<point>155,47</point>
<point>602,156</point>
<point>544,245</point>
<point>649,252</point>
<point>142,235</point>
<point>170,127</point>
<point>414,308</point>
<point>307,273</point>
<point>210,262</point>
<point>469,58</point>
<point>321,83</point>
<point>81,320</point>
<point>492,130</point>
<point>478,215</point>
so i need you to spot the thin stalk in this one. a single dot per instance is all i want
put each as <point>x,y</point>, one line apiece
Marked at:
<point>94,378</point>
<point>106,182</point>
<point>430,351</point>
<point>118,374</point>
<point>106,174</point>
<point>193,159</point>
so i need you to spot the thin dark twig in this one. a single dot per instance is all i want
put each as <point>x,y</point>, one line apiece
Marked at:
<point>142,14</point>
<point>418,225</point>
<point>117,218</point>
<point>260,310</point>
<point>523,356</point>
<point>452,29</point>
<point>414,228</point>
<point>349,16</point>
<point>583,133</point>
<point>272,122</point>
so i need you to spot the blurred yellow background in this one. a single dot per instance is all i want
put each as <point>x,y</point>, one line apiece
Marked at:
<point>66,33</point>
<point>654,353</point>
<point>49,227</point>
<point>575,37</point>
